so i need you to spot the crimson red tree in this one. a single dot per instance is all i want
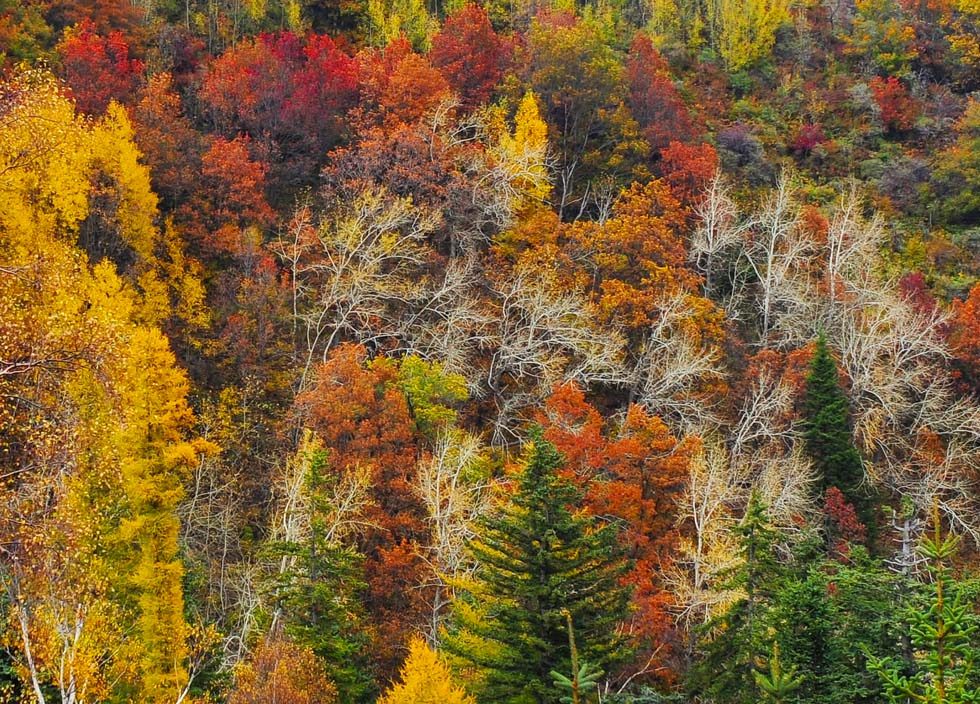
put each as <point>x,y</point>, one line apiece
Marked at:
<point>363,418</point>
<point>97,68</point>
<point>471,55</point>
<point>656,104</point>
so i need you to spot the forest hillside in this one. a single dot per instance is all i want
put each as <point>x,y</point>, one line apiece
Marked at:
<point>521,352</point>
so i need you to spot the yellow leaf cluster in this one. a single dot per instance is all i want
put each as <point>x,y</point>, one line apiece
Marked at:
<point>746,29</point>
<point>524,155</point>
<point>389,19</point>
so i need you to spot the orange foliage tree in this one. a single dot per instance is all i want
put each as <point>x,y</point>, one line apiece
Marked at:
<point>964,337</point>
<point>638,256</point>
<point>398,85</point>
<point>170,144</point>
<point>231,197</point>
<point>633,474</point>
<point>281,671</point>
<point>363,419</point>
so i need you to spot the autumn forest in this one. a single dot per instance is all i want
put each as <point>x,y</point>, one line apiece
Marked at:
<point>489,351</point>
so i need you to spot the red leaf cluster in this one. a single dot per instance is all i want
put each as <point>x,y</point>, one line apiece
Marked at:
<point>898,109</point>
<point>98,69</point>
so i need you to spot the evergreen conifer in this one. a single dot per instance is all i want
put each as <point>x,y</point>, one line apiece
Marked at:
<point>543,562</point>
<point>943,637</point>
<point>828,432</point>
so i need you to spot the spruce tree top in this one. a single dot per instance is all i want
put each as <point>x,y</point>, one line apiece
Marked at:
<point>828,432</point>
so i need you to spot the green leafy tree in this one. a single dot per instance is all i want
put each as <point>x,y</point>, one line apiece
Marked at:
<point>828,433</point>
<point>541,558</point>
<point>431,392</point>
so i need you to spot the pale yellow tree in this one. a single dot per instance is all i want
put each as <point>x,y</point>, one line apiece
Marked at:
<point>744,31</point>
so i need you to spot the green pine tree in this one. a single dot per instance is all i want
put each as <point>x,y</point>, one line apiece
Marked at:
<point>319,597</point>
<point>827,617</point>
<point>828,433</point>
<point>540,558</point>
<point>943,638</point>
<point>777,684</point>
<point>741,638</point>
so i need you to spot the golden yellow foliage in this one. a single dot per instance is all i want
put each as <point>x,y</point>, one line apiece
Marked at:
<point>390,19</point>
<point>524,155</point>
<point>425,679</point>
<point>740,31</point>
<point>746,29</point>
<point>93,413</point>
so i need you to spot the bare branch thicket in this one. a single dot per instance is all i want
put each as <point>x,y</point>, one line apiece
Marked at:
<point>766,441</point>
<point>775,251</point>
<point>547,336</point>
<point>452,324</point>
<point>673,368</point>
<point>716,488</point>
<point>719,231</point>
<point>363,267</point>
<point>893,358</point>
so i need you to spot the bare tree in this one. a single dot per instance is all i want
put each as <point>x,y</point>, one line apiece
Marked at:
<point>452,323</point>
<point>456,492</point>
<point>546,335</point>
<point>775,250</point>
<point>918,438</point>
<point>719,231</point>
<point>716,487</point>
<point>852,243</point>
<point>355,273</point>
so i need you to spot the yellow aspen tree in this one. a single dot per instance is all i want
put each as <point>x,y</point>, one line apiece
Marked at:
<point>745,30</point>
<point>114,153</point>
<point>676,24</point>
<point>524,155</point>
<point>389,19</point>
<point>93,420</point>
<point>169,284</point>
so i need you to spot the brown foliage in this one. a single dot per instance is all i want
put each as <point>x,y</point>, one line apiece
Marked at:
<point>285,673</point>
